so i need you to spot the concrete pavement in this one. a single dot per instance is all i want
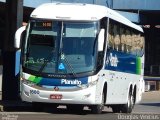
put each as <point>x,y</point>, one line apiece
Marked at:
<point>152,96</point>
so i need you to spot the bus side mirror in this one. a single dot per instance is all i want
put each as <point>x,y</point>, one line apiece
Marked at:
<point>101,40</point>
<point>18,35</point>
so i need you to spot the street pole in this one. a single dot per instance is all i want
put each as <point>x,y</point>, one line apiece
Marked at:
<point>10,80</point>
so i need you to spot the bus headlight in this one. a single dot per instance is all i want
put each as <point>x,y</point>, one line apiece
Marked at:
<point>83,86</point>
<point>93,83</point>
<point>86,96</point>
<point>27,82</point>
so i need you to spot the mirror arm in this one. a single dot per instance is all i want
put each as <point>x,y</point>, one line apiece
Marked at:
<point>18,35</point>
<point>101,40</point>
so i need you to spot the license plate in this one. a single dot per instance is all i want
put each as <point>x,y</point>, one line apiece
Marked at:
<point>55,96</point>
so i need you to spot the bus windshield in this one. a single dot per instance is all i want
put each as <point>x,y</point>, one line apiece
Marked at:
<point>58,47</point>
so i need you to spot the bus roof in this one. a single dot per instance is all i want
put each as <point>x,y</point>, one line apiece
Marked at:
<point>79,12</point>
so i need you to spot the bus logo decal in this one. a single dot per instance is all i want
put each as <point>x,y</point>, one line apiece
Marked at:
<point>61,66</point>
<point>112,60</point>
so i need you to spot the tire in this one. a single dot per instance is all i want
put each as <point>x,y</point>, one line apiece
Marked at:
<point>127,108</point>
<point>97,109</point>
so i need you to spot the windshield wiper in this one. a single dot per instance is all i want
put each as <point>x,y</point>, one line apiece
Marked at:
<point>45,62</point>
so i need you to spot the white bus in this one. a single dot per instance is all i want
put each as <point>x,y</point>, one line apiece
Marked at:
<point>81,55</point>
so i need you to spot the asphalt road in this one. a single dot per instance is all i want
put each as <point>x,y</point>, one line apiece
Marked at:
<point>148,109</point>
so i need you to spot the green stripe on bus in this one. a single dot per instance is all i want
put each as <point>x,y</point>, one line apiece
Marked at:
<point>35,79</point>
<point>138,65</point>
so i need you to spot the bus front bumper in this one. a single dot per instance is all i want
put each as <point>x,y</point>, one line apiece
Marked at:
<point>82,96</point>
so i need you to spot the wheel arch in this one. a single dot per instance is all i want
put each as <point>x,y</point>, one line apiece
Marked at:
<point>101,89</point>
<point>105,91</point>
<point>130,90</point>
<point>135,93</point>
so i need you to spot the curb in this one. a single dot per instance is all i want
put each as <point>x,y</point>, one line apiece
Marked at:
<point>1,108</point>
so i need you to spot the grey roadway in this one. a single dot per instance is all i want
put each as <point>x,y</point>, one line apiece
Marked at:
<point>148,109</point>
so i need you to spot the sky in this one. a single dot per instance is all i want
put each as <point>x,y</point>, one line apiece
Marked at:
<point>36,3</point>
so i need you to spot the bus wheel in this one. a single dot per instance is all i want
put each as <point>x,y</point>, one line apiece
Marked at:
<point>127,108</point>
<point>97,109</point>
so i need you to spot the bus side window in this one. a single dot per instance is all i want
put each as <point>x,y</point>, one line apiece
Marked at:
<point>137,44</point>
<point>110,36</point>
<point>140,45</point>
<point>123,39</point>
<point>116,37</point>
<point>128,41</point>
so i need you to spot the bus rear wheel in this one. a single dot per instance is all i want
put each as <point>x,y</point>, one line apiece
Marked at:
<point>97,109</point>
<point>127,108</point>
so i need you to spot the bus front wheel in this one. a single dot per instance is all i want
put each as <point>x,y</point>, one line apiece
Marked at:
<point>97,109</point>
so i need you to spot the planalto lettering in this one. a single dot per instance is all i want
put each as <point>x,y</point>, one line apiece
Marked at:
<point>71,82</point>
